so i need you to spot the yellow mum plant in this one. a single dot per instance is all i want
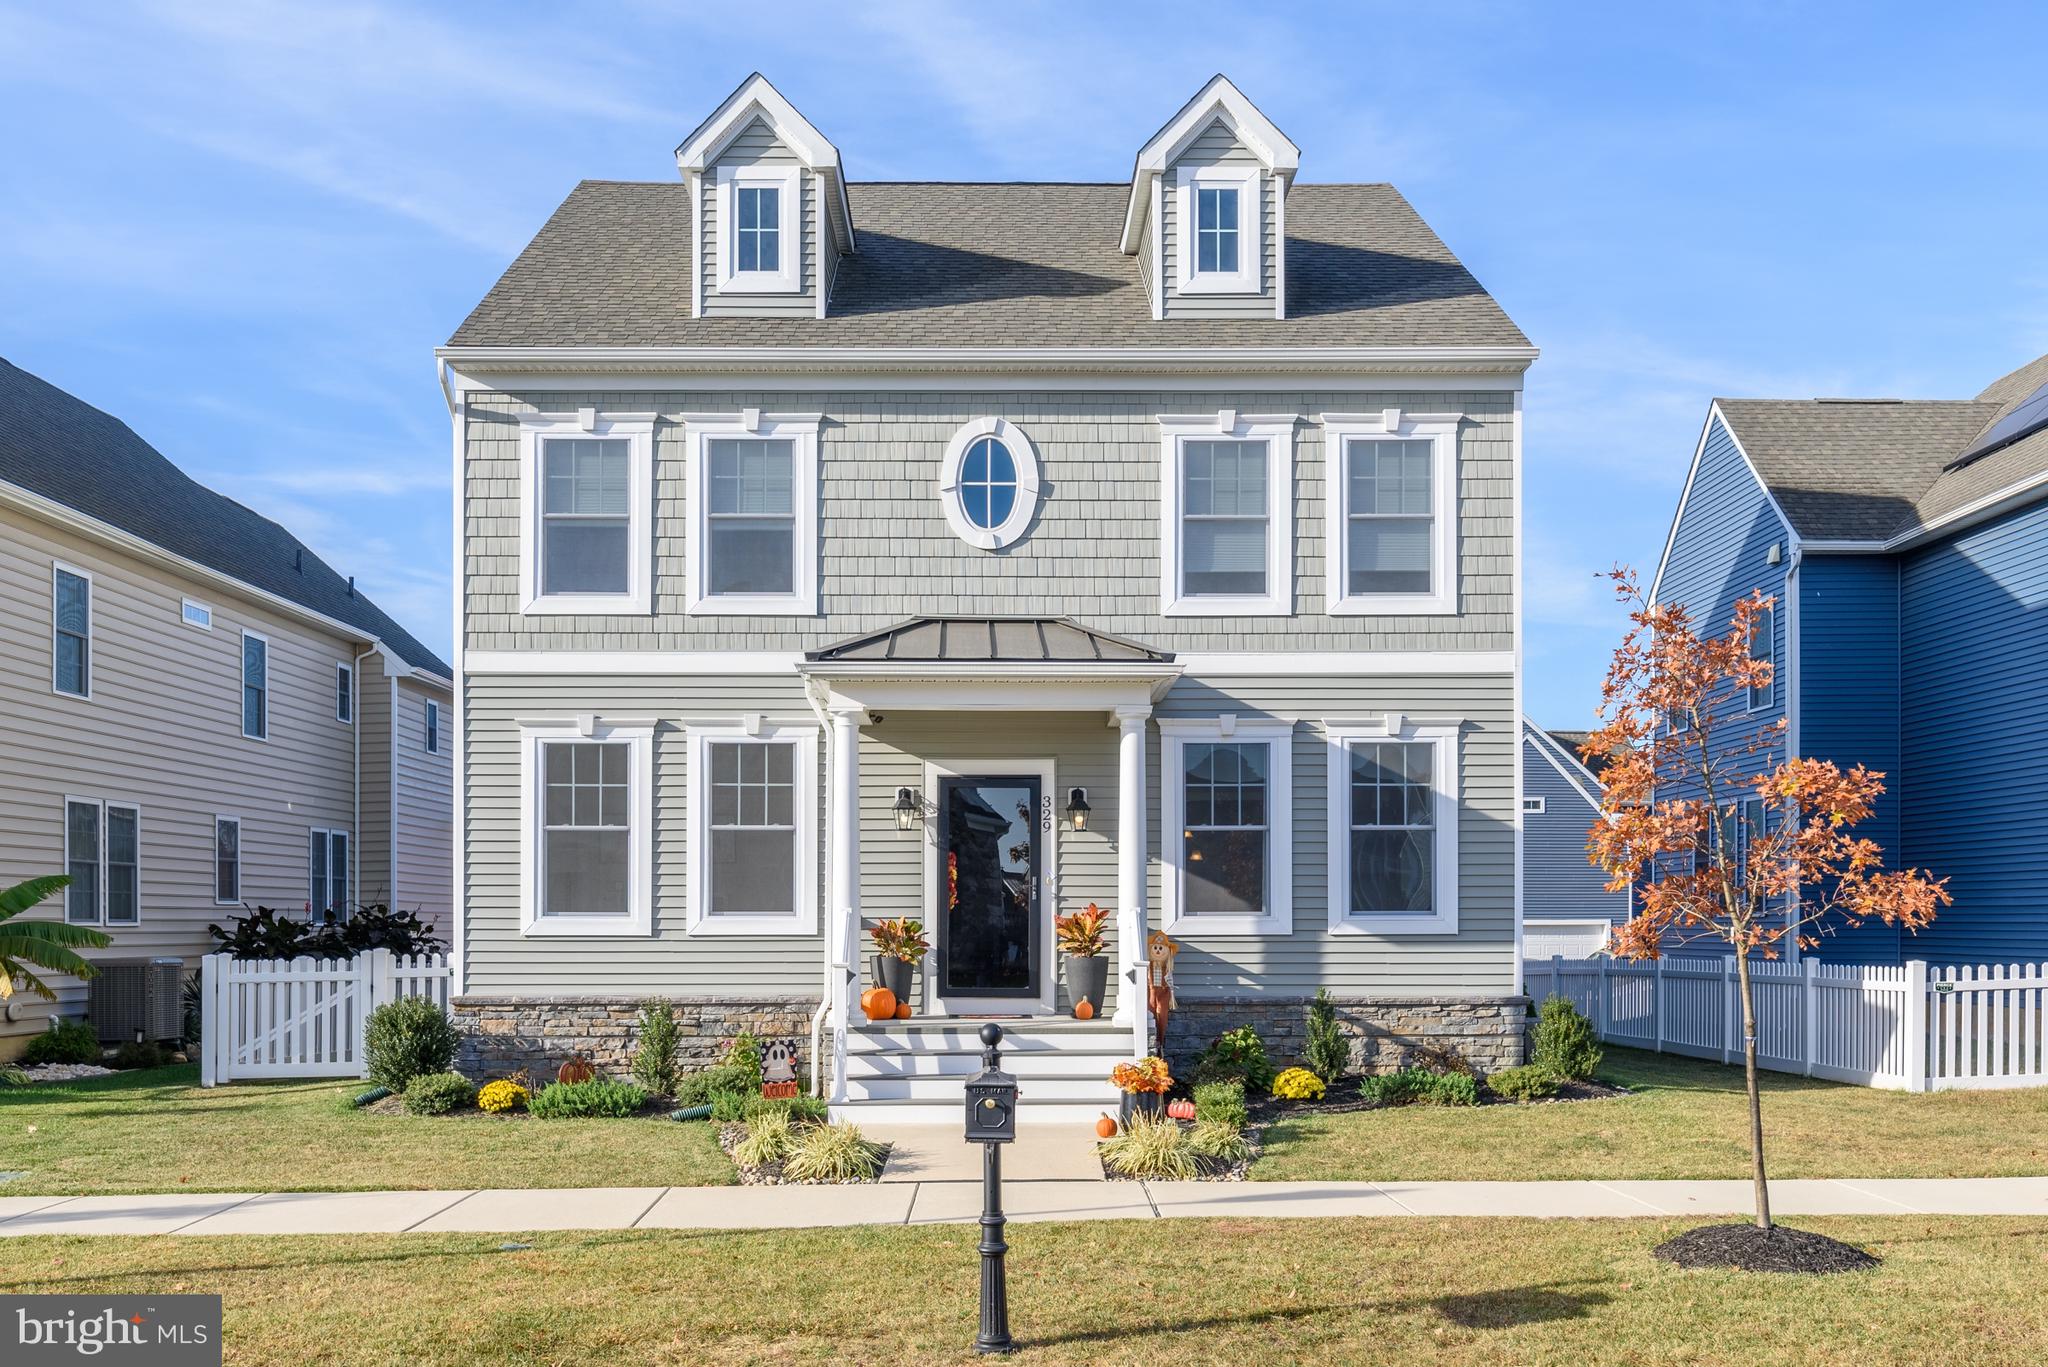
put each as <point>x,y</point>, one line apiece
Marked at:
<point>1298,1084</point>
<point>501,1096</point>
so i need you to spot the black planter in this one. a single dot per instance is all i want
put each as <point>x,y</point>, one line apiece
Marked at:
<point>894,974</point>
<point>1088,980</point>
<point>1151,1105</point>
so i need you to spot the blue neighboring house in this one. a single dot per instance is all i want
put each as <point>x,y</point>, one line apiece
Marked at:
<point>1907,546</point>
<point>1566,907</point>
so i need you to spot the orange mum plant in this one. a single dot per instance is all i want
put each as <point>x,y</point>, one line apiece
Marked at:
<point>1148,1074</point>
<point>1720,837</point>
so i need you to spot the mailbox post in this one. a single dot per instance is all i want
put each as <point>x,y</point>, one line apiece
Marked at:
<point>992,1123</point>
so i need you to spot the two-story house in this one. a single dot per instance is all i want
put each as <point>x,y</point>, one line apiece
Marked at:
<point>1906,546</point>
<point>197,714</point>
<point>975,552</point>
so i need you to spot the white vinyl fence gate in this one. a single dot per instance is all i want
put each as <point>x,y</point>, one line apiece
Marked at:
<point>1913,1027</point>
<point>274,1018</point>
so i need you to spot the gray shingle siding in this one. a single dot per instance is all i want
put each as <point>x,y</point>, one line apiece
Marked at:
<point>1093,553</point>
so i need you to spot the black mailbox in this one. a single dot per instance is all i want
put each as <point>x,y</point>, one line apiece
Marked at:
<point>991,1096</point>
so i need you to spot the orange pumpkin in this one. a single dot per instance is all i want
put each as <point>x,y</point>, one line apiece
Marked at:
<point>903,1011</point>
<point>577,1069</point>
<point>1181,1110</point>
<point>1084,1010</point>
<point>879,1003</point>
<point>1105,1128</point>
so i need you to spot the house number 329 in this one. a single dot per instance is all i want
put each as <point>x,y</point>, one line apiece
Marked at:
<point>1045,813</point>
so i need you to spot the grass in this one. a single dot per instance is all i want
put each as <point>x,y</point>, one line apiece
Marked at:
<point>1950,1291</point>
<point>1687,1119</point>
<point>158,1130</point>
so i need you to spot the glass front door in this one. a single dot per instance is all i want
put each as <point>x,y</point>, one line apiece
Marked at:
<point>988,888</point>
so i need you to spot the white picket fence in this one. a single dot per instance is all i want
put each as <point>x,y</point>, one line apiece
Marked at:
<point>1913,1027</point>
<point>273,1018</point>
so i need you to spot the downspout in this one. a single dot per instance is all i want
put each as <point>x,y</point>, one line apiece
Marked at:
<point>458,851</point>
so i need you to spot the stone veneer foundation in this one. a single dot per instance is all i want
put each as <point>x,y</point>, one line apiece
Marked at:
<point>538,1034</point>
<point>1385,1032</point>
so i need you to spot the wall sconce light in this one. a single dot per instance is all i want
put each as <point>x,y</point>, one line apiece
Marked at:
<point>1077,809</point>
<point>906,809</point>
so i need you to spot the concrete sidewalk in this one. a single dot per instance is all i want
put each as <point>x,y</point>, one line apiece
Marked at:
<point>927,1202</point>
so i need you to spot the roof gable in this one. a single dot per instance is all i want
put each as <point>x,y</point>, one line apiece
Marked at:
<point>758,101</point>
<point>1217,101</point>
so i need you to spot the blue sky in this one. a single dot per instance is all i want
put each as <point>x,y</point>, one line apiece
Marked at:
<point>242,227</point>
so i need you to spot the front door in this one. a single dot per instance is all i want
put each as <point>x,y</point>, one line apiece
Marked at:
<point>989,898</point>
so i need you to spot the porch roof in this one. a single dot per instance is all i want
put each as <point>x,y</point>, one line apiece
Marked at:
<point>1009,663</point>
<point>989,640</point>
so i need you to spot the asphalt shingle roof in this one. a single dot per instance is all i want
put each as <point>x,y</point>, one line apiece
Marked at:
<point>62,448</point>
<point>952,264</point>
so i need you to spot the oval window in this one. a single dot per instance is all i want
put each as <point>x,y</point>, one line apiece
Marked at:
<point>989,483</point>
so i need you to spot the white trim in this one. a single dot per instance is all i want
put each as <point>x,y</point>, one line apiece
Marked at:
<point>1515,685</point>
<point>458,880</point>
<point>1990,506</point>
<point>1341,663</point>
<point>638,734</point>
<point>1279,249</point>
<point>803,737</point>
<point>1564,762</point>
<point>1715,415</point>
<point>1025,457</point>
<point>954,689</point>
<point>1278,738</point>
<point>1249,182</point>
<point>638,431</point>
<point>1278,433</point>
<point>1441,431</point>
<point>236,822</point>
<point>709,140</point>
<point>788,276</point>
<point>640,663</point>
<point>1246,664</point>
<point>242,684</point>
<point>344,689</point>
<point>189,605</point>
<point>1156,228</point>
<point>1042,769</point>
<point>100,848</point>
<point>801,431</point>
<point>327,835</point>
<point>1218,99</point>
<point>1366,382</point>
<point>1444,739</point>
<point>695,181</point>
<point>58,567</point>
<point>1533,806</point>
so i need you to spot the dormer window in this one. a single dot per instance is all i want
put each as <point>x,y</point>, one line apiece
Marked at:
<point>760,228</point>
<point>1218,213</point>
<point>1215,229</point>
<point>757,229</point>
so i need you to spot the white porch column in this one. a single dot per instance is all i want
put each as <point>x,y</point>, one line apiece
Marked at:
<point>843,910</point>
<point>1130,863</point>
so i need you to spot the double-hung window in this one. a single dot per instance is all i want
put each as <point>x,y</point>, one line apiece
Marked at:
<point>753,829</point>
<point>433,735</point>
<point>1391,538</point>
<point>103,855</point>
<point>1393,808</point>
<point>1764,646</point>
<point>255,686</point>
<point>1217,240</point>
<point>1227,800</point>
<point>227,860</point>
<point>586,828</point>
<point>587,498</point>
<point>754,488</point>
<point>71,631</point>
<point>756,224</point>
<point>327,874</point>
<point>344,693</point>
<point>1227,516</point>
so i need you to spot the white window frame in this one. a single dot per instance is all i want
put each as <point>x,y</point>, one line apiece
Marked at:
<point>1175,734</point>
<point>431,738</point>
<point>1441,431</point>
<point>1249,182</point>
<point>102,805</point>
<point>638,734</point>
<point>91,592</point>
<point>221,819</point>
<point>801,431</point>
<point>697,898</point>
<point>195,614</point>
<point>638,430</point>
<point>1278,433</point>
<point>1022,453</point>
<point>1444,735</point>
<point>1534,806</point>
<point>317,914</point>
<point>787,277</point>
<point>344,693</point>
<point>242,684</point>
<point>1769,633</point>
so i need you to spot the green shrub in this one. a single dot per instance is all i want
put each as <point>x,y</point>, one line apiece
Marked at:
<point>833,1153</point>
<point>1152,1147</point>
<point>63,1042</point>
<point>1237,1054</point>
<point>769,1139</point>
<point>1214,1139</point>
<point>654,1061</point>
<point>1222,1102</point>
<point>11,1076</point>
<point>1329,1053</point>
<point>438,1094</point>
<point>1398,1089</point>
<point>1532,1082</point>
<point>1452,1089</point>
<point>802,1109</point>
<point>745,1053</point>
<point>698,1088</point>
<point>730,1106</point>
<point>1565,1043</point>
<point>140,1053</point>
<point>576,1100</point>
<point>405,1038</point>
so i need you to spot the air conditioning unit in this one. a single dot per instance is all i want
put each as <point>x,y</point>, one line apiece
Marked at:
<point>137,999</point>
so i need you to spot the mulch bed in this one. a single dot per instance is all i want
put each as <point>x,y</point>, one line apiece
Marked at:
<point>1346,1098</point>
<point>1746,1248</point>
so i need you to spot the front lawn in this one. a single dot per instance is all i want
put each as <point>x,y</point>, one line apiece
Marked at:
<point>1352,1291</point>
<point>158,1130</point>
<point>1687,1119</point>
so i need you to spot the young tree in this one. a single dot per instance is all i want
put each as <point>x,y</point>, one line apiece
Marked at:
<point>28,945</point>
<point>1721,838</point>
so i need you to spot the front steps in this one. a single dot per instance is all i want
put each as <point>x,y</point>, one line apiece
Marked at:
<point>912,1071</point>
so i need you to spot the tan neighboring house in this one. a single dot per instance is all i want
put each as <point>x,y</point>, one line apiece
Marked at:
<point>197,714</point>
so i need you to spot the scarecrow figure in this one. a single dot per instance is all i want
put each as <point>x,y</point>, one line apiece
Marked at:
<point>1159,952</point>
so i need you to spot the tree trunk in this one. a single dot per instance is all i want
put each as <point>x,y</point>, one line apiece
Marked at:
<point>1756,1101</point>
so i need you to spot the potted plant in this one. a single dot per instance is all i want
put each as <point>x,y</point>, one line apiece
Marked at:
<point>1144,1085</point>
<point>1082,943</point>
<point>899,946</point>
